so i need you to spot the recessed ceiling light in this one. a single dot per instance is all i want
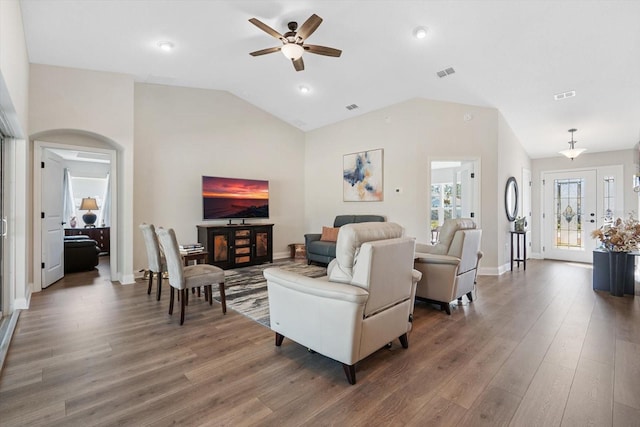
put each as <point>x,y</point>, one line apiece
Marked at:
<point>420,32</point>
<point>166,46</point>
<point>304,89</point>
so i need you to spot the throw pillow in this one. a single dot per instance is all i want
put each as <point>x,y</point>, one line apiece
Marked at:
<point>329,234</point>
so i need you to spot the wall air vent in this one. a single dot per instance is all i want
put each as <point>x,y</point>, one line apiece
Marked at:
<point>351,107</point>
<point>564,95</point>
<point>445,72</point>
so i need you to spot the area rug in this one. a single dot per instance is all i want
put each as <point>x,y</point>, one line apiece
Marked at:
<point>246,288</point>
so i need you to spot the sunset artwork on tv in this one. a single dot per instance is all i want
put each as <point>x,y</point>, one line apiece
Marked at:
<point>231,198</point>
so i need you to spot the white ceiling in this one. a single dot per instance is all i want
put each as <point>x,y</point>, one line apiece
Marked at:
<point>511,55</point>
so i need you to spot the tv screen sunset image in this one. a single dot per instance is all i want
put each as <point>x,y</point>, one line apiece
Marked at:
<point>225,198</point>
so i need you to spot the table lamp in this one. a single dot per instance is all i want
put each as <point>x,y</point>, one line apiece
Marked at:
<point>89,218</point>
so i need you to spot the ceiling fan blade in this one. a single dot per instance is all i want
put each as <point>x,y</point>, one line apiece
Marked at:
<point>265,51</point>
<point>309,26</point>
<point>267,29</point>
<point>298,64</point>
<point>322,50</point>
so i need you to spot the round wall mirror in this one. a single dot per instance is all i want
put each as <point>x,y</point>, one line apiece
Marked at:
<point>511,199</point>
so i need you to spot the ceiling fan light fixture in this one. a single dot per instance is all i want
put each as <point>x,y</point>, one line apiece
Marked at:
<point>572,152</point>
<point>292,51</point>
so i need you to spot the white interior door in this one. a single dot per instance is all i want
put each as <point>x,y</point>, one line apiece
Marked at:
<point>52,223</point>
<point>570,215</point>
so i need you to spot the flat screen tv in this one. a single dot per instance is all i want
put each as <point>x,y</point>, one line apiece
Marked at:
<point>234,198</point>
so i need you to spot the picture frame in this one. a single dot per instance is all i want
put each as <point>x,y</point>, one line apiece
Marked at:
<point>362,176</point>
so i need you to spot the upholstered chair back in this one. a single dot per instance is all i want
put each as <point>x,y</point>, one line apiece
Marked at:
<point>447,236</point>
<point>350,239</point>
<point>385,268</point>
<point>169,244</point>
<point>466,245</point>
<point>153,248</point>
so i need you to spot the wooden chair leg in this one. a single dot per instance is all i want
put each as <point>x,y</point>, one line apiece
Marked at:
<point>183,303</point>
<point>446,307</point>
<point>404,340</point>
<point>350,371</point>
<point>208,293</point>
<point>171,300</point>
<point>223,298</point>
<point>470,296</point>
<point>159,280</point>
<point>279,339</point>
<point>150,282</point>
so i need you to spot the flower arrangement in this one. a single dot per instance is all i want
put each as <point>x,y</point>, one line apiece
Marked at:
<point>620,235</point>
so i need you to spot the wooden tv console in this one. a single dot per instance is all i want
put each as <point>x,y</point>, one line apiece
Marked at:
<point>232,246</point>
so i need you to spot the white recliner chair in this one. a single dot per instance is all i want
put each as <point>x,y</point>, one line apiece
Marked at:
<point>364,303</point>
<point>450,266</point>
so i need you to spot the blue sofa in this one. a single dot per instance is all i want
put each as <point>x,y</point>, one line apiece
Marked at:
<point>323,252</point>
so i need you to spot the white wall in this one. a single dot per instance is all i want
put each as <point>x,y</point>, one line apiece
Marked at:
<point>64,101</point>
<point>14,67</point>
<point>411,134</point>
<point>511,160</point>
<point>182,134</point>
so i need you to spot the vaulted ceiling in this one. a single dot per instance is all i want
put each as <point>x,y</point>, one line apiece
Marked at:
<point>511,55</point>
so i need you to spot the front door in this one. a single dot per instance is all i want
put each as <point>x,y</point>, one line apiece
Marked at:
<point>569,215</point>
<point>52,224</point>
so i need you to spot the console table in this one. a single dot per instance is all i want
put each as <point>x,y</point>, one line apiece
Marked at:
<point>231,246</point>
<point>519,259</point>
<point>99,234</point>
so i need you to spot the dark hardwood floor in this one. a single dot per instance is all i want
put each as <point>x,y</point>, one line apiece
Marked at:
<point>535,348</point>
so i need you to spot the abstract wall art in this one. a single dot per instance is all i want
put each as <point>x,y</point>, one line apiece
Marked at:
<point>362,176</point>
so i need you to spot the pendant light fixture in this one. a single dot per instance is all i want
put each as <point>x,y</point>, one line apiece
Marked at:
<point>573,152</point>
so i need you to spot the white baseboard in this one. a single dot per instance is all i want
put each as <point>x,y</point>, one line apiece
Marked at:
<point>127,279</point>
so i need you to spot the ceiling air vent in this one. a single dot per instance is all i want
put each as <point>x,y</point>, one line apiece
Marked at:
<point>351,107</point>
<point>445,72</point>
<point>563,95</point>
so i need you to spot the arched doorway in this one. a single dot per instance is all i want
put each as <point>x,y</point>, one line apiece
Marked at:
<point>91,145</point>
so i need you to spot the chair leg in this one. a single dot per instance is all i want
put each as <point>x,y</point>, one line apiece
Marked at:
<point>159,280</point>
<point>470,296</point>
<point>171,300</point>
<point>182,304</point>
<point>150,282</point>
<point>446,307</point>
<point>223,298</point>
<point>208,293</point>
<point>404,340</point>
<point>350,371</point>
<point>279,339</point>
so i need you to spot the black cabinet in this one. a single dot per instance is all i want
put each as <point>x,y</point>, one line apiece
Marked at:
<point>231,246</point>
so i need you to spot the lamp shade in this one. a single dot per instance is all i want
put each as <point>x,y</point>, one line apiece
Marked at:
<point>292,51</point>
<point>573,152</point>
<point>88,203</point>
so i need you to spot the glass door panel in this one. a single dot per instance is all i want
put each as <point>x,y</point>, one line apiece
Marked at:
<point>570,215</point>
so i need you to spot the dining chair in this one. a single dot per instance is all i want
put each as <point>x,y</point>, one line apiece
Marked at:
<point>183,277</point>
<point>157,264</point>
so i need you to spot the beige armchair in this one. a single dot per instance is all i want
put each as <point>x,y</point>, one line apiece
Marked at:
<point>364,303</point>
<point>450,266</point>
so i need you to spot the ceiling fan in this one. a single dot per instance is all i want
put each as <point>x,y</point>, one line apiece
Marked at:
<point>293,45</point>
